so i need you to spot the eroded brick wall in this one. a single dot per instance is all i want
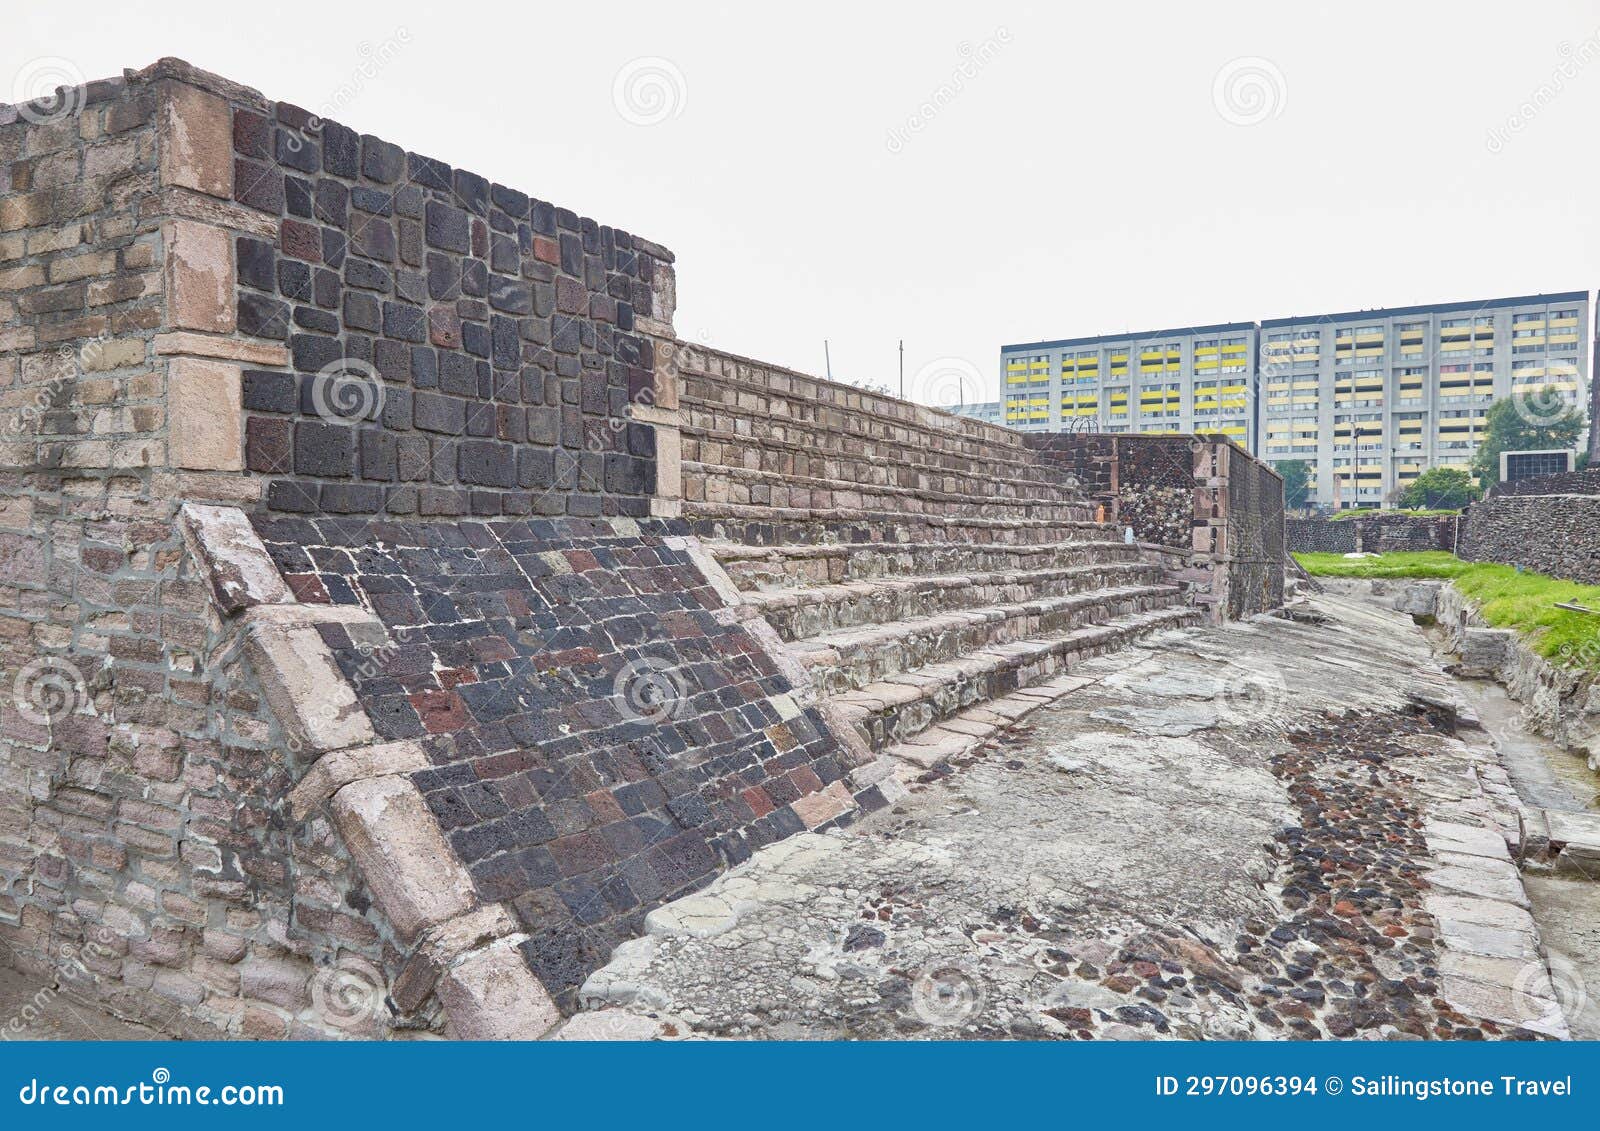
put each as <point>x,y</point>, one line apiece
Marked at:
<point>1146,482</point>
<point>1202,496</point>
<point>215,298</point>
<point>1582,482</point>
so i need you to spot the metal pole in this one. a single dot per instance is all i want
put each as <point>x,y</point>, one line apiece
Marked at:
<point>827,357</point>
<point>902,369</point>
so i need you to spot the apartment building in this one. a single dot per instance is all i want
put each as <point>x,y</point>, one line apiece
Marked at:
<point>1189,379</point>
<point>1369,399</point>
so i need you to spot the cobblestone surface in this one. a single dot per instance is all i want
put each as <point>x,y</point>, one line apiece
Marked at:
<point>1188,848</point>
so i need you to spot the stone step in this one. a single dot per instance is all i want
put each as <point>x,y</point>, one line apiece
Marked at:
<point>965,731</point>
<point>805,448</point>
<point>718,483</point>
<point>801,613</point>
<point>898,709</point>
<point>811,401</point>
<point>778,568</point>
<point>754,525</point>
<point>851,659</point>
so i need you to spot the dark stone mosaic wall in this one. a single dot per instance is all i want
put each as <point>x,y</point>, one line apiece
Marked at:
<point>457,346</point>
<point>1582,482</point>
<point>601,743</point>
<point>1557,535</point>
<point>1376,533</point>
<point>1146,482</point>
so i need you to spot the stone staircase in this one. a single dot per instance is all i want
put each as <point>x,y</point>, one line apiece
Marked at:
<point>936,581</point>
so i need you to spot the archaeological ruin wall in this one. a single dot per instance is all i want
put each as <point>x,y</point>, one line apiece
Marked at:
<point>1208,501</point>
<point>396,612</point>
<point>363,680</point>
<point>1557,535</point>
<point>1375,533</point>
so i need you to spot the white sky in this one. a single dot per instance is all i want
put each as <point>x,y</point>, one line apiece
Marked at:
<point>1083,180</point>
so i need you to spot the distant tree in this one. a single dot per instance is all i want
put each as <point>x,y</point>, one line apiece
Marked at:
<point>1441,488</point>
<point>1296,481</point>
<point>1525,421</point>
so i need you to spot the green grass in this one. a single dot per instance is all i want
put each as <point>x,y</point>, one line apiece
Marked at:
<point>1507,599</point>
<point>1369,512</point>
<point>1422,563</point>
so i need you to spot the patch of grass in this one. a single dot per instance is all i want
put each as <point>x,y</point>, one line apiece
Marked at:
<point>1420,563</point>
<point>1507,599</point>
<point>1368,512</point>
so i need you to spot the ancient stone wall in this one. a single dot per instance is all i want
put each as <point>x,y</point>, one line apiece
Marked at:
<point>380,784</point>
<point>1554,534</point>
<point>1199,495</point>
<point>1321,536</point>
<point>1146,482</point>
<point>1377,533</point>
<point>1583,482</point>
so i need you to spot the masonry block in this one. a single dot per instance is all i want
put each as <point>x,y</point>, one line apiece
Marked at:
<point>403,856</point>
<point>199,277</point>
<point>232,558</point>
<point>196,140</point>
<point>490,995</point>
<point>305,688</point>
<point>204,425</point>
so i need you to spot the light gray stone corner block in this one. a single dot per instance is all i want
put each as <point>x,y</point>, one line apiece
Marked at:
<point>306,690</point>
<point>403,856</point>
<point>333,771</point>
<point>237,566</point>
<point>442,944</point>
<point>489,994</point>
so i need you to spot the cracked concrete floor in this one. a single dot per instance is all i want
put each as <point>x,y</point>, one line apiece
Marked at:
<point>1118,867</point>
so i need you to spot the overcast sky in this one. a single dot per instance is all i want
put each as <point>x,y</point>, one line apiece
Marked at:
<point>961,176</point>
